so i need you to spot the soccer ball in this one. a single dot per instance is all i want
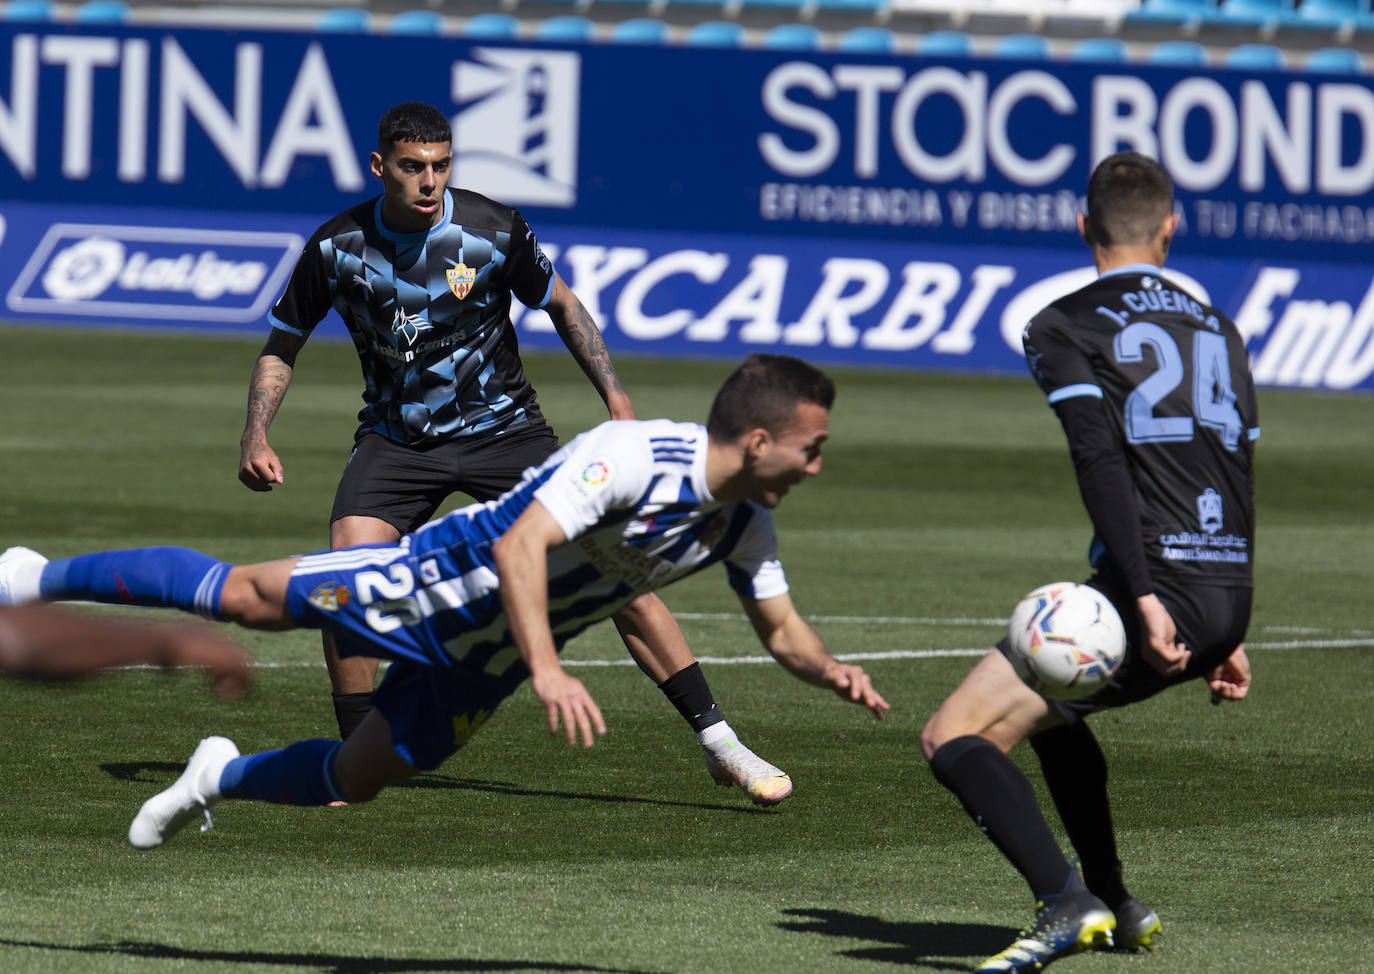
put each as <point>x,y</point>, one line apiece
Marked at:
<point>1066,640</point>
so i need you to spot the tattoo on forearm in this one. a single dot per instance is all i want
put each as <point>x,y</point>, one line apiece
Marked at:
<point>584,341</point>
<point>265,395</point>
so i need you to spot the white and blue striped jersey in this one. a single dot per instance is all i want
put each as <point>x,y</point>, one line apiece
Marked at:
<point>631,498</point>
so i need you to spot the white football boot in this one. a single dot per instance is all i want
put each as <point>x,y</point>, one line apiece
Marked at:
<point>191,795</point>
<point>21,569</point>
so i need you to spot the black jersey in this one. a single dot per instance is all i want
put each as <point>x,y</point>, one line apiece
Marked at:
<point>1149,380</point>
<point>429,314</point>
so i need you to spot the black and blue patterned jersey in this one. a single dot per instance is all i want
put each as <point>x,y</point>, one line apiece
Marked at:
<point>1179,404</point>
<point>429,314</point>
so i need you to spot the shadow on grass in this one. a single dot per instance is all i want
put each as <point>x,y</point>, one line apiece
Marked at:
<point>911,943</point>
<point>329,963</point>
<point>147,772</point>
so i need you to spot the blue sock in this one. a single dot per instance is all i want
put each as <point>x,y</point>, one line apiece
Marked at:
<point>302,774</point>
<point>166,577</point>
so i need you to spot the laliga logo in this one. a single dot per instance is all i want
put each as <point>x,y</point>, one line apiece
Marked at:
<point>88,268</point>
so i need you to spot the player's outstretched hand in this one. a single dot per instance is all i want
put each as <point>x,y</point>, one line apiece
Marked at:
<point>1159,638</point>
<point>566,700</point>
<point>856,686</point>
<point>1231,680</point>
<point>260,467</point>
<point>226,666</point>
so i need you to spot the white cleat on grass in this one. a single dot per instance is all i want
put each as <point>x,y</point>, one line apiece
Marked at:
<point>21,570</point>
<point>731,764</point>
<point>170,811</point>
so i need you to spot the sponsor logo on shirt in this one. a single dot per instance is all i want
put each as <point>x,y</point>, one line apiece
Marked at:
<point>1209,511</point>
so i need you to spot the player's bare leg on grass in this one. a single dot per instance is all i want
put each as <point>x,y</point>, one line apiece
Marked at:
<point>656,642</point>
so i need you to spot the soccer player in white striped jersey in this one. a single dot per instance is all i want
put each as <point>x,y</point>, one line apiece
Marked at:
<point>470,605</point>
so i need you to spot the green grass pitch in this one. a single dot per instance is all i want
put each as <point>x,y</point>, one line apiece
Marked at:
<point>943,499</point>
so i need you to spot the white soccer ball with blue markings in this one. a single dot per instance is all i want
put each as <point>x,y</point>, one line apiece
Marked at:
<point>1065,640</point>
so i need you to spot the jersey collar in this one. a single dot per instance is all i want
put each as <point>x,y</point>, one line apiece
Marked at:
<point>394,236</point>
<point>1132,269</point>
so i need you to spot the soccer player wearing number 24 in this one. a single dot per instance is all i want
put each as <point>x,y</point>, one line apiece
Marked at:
<point>1154,392</point>
<point>469,606</point>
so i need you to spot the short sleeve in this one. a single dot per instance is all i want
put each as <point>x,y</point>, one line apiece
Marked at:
<point>1059,364</point>
<point>308,293</point>
<point>530,271</point>
<point>606,469</point>
<point>752,567</point>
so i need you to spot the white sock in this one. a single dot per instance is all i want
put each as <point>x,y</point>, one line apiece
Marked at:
<point>717,732</point>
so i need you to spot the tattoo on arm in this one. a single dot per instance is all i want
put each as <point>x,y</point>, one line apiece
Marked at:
<point>266,391</point>
<point>584,341</point>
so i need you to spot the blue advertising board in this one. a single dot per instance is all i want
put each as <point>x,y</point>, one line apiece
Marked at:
<point>888,210</point>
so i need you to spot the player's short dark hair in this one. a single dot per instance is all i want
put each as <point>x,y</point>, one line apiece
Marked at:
<point>764,392</point>
<point>412,121</point>
<point>1129,195</point>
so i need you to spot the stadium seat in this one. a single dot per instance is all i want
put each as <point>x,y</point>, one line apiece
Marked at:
<point>102,12</point>
<point>1337,59</point>
<point>1328,14</point>
<point>417,22</point>
<point>640,30</point>
<point>491,24</point>
<point>798,37</point>
<point>570,27</point>
<point>1264,14</point>
<point>716,33</point>
<point>1256,56</point>
<point>1027,47</point>
<point>1099,49</point>
<point>879,40</point>
<point>1187,14</point>
<point>30,10</point>
<point>792,6</point>
<point>344,19</point>
<point>1180,53</point>
<point>946,43</point>
<point>861,6</point>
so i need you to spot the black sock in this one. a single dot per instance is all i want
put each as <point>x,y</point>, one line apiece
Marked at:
<point>1002,803</point>
<point>691,696</point>
<point>1076,773</point>
<point>349,711</point>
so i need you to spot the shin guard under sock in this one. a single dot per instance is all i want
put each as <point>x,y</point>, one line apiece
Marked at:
<point>166,577</point>
<point>1002,803</point>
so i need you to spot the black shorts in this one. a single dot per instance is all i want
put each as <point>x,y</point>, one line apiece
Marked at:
<point>404,485</point>
<point>1211,621</point>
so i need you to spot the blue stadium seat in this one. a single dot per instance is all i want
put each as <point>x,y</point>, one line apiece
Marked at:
<point>102,12</point>
<point>569,27</point>
<point>29,10</point>
<point>794,6</point>
<point>862,6</point>
<point>1099,49</point>
<point>797,37</point>
<point>417,22</point>
<point>716,33</point>
<point>1181,13</point>
<point>879,40</point>
<point>1257,56</point>
<point>1180,53</point>
<point>946,43</point>
<point>1027,47</point>
<point>1264,14</point>
<point>1328,14</point>
<point>1336,59</point>
<point>344,19</point>
<point>491,24</point>
<point>640,30</point>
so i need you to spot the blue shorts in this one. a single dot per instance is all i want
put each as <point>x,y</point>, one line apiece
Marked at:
<point>433,701</point>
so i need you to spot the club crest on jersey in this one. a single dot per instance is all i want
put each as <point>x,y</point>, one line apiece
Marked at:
<point>461,279</point>
<point>329,597</point>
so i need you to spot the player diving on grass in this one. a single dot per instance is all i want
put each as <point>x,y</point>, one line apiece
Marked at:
<point>469,606</point>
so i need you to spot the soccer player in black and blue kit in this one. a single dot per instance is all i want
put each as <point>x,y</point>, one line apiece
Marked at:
<point>1154,392</point>
<point>469,606</point>
<point>423,277</point>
